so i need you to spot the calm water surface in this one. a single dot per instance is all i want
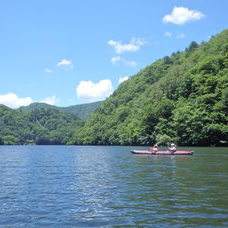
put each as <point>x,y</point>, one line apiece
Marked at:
<point>75,186</point>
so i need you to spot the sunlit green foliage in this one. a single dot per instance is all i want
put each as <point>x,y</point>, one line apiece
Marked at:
<point>183,98</point>
<point>42,126</point>
<point>83,111</point>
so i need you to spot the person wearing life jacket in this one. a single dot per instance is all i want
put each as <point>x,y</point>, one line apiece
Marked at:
<point>154,148</point>
<point>172,147</point>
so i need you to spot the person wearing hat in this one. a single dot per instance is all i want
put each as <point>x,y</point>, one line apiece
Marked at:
<point>172,147</point>
<point>154,148</point>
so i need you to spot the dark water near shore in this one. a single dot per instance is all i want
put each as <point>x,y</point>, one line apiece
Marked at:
<point>73,186</point>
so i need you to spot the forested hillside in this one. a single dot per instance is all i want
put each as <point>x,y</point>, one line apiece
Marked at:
<point>183,98</point>
<point>83,111</point>
<point>43,126</point>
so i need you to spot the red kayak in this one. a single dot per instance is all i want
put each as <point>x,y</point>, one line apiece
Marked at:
<point>149,152</point>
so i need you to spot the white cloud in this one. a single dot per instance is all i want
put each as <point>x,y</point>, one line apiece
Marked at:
<point>182,15</point>
<point>122,79</point>
<point>52,100</point>
<point>13,101</point>
<point>90,91</point>
<point>168,34</point>
<point>65,64</point>
<point>181,36</point>
<point>134,45</point>
<point>47,70</point>
<point>118,59</point>
<point>115,59</point>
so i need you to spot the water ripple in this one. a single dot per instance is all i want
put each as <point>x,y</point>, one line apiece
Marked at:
<point>67,186</point>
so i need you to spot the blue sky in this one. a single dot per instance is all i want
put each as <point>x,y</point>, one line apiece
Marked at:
<point>77,51</point>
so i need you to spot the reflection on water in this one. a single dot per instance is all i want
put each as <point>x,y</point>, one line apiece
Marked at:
<point>83,186</point>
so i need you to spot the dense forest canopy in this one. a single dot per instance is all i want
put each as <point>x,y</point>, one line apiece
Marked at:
<point>40,123</point>
<point>182,97</point>
<point>83,111</point>
<point>40,126</point>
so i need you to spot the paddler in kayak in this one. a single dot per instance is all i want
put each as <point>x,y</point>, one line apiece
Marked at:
<point>172,147</point>
<point>154,148</point>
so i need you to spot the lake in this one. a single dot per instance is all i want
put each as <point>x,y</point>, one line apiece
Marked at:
<point>101,186</point>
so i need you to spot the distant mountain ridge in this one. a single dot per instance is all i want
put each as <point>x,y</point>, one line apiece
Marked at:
<point>40,126</point>
<point>83,111</point>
